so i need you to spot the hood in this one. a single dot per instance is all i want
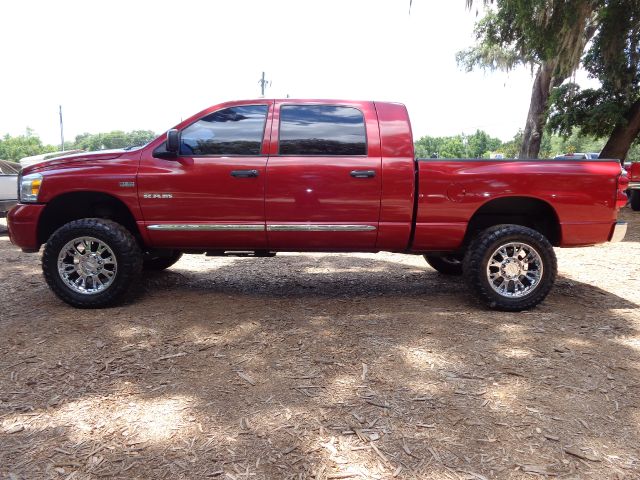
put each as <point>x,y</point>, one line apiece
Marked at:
<point>74,158</point>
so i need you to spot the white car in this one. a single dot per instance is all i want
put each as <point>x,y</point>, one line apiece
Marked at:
<point>8,186</point>
<point>43,157</point>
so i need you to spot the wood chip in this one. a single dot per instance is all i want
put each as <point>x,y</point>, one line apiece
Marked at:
<point>15,429</point>
<point>246,378</point>
<point>376,403</point>
<point>576,452</point>
<point>167,357</point>
<point>537,469</point>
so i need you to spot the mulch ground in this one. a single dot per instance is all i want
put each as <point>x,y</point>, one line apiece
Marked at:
<point>325,367</point>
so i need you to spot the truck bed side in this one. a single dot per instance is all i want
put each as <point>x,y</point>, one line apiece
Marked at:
<point>456,193</point>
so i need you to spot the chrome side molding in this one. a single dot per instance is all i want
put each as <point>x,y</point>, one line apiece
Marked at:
<point>185,227</point>
<point>320,228</point>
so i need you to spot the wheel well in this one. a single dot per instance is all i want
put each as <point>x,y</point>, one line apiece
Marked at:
<point>528,212</point>
<point>73,206</point>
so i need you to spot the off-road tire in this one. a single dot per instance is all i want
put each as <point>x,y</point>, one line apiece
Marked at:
<point>157,260</point>
<point>635,200</point>
<point>122,243</point>
<point>478,257</point>
<point>447,265</point>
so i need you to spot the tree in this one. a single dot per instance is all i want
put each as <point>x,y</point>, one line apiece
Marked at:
<point>541,34</point>
<point>478,145</point>
<point>113,139</point>
<point>613,110</point>
<point>15,148</point>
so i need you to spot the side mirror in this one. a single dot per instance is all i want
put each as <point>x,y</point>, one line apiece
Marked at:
<point>173,141</point>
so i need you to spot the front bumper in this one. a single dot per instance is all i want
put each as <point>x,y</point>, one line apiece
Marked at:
<point>634,186</point>
<point>22,221</point>
<point>618,232</point>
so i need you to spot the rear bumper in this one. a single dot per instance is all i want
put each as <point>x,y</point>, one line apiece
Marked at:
<point>22,221</point>
<point>618,232</point>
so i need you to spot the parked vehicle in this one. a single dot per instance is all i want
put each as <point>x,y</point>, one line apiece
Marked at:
<point>578,156</point>
<point>269,176</point>
<point>633,172</point>
<point>32,160</point>
<point>8,186</point>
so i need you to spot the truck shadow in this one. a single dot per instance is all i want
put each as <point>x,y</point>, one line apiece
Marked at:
<point>345,276</point>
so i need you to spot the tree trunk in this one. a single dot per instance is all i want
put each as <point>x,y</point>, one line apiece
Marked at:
<point>537,116</point>
<point>623,135</point>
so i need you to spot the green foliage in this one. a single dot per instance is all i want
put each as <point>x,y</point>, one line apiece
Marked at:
<point>478,145</point>
<point>614,59</point>
<point>531,32</point>
<point>552,145</point>
<point>634,153</point>
<point>576,142</point>
<point>114,139</point>
<point>15,148</point>
<point>511,148</point>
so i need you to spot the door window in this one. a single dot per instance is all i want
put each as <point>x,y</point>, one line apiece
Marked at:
<point>322,130</point>
<point>232,131</point>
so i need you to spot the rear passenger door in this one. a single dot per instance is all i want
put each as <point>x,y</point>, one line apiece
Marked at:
<point>323,177</point>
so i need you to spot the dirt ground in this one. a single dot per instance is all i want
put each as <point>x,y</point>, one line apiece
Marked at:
<point>325,367</point>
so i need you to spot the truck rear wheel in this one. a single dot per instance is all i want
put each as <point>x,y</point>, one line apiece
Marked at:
<point>510,267</point>
<point>91,262</point>
<point>445,264</point>
<point>160,260</point>
<point>635,200</point>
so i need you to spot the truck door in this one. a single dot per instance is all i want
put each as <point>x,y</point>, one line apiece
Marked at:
<point>212,195</point>
<point>323,177</point>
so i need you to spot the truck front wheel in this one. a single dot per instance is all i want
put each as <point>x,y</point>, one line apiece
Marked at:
<point>635,200</point>
<point>91,262</point>
<point>510,267</point>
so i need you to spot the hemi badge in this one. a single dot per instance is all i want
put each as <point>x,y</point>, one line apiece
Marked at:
<point>127,184</point>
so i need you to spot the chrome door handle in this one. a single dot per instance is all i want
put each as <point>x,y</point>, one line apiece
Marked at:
<point>363,173</point>
<point>244,173</point>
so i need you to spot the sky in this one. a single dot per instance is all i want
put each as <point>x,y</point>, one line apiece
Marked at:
<point>126,65</point>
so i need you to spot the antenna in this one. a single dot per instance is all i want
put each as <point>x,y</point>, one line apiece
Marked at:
<point>61,130</point>
<point>263,84</point>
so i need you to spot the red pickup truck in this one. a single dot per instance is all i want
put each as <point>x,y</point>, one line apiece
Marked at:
<point>634,185</point>
<point>265,176</point>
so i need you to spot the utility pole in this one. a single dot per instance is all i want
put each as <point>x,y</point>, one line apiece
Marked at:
<point>263,84</point>
<point>61,131</point>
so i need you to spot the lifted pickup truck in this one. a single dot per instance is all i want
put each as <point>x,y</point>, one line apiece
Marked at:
<point>309,175</point>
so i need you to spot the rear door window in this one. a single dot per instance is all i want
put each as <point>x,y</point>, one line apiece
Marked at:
<point>322,130</point>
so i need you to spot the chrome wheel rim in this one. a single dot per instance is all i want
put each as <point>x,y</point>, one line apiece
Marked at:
<point>87,265</point>
<point>514,270</point>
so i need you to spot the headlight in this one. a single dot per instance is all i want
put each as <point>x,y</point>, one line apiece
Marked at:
<point>30,187</point>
